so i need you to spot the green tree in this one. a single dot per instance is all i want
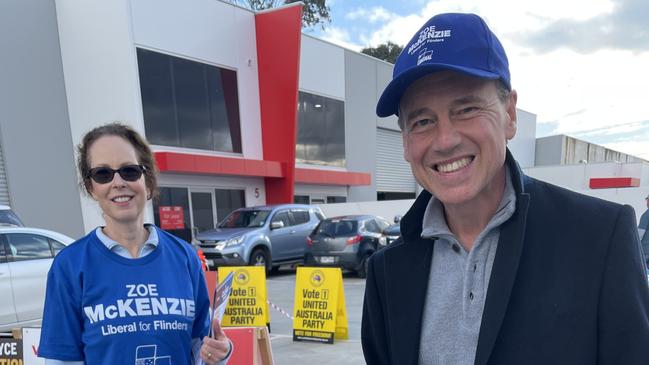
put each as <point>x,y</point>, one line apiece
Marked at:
<point>315,12</point>
<point>387,51</point>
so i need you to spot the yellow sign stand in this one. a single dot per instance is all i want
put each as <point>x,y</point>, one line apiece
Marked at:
<point>320,314</point>
<point>247,306</point>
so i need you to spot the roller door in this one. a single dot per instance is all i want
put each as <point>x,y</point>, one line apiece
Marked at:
<point>4,190</point>
<point>392,171</point>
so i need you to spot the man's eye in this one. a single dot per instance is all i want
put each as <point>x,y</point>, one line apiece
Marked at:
<point>468,110</point>
<point>421,123</point>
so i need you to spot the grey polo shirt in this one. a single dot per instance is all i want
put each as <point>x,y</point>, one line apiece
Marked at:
<point>457,285</point>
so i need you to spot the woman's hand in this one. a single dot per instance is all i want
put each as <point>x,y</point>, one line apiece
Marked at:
<point>215,349</point>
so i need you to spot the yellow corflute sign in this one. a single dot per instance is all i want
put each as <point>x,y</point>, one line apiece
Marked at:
<point>320,313</point>
<point>247,305</point>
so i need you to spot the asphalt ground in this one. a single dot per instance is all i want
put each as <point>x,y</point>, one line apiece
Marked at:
<point>281,290</point>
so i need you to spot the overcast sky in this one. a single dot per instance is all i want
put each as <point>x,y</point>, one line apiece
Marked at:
<point>582,66</point>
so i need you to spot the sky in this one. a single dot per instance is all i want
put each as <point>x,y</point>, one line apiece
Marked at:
<point>582,66</point>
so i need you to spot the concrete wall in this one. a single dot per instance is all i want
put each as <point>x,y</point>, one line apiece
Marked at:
<point>523,143</point>
<point>386,209</point>
<point>100,70</point>
<point>322,68</point>
<point>383,78</point>
<point>577,178</point>
<point>360,121</point>
<point>562,149</point>
<point>210,32</point>
<point>98,47</point>
<point>549,150</point>
<point>36,135</point>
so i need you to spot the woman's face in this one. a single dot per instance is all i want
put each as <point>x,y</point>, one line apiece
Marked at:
<point>121,201</point>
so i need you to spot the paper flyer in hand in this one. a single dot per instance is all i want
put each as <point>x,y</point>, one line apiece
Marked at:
<point>220,298</point>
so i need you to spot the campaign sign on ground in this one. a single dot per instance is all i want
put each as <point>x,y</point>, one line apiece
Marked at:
<point>11,351</point>
<point>31,339</point>
<point>247,305</point>
<point>319,314</point>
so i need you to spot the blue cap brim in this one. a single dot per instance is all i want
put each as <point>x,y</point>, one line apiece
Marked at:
<point>389,101</point>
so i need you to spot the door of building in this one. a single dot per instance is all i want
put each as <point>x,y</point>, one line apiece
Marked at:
<point>202,210</point>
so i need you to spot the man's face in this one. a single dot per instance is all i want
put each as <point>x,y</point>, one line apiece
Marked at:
<point>454,135</point>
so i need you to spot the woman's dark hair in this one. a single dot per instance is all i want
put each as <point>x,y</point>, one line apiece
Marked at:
<point>144,154</point>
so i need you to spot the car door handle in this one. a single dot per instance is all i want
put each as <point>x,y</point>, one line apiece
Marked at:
<point>292,232</point>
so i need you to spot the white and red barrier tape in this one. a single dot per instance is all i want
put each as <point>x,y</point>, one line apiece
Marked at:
<point>279,309</point>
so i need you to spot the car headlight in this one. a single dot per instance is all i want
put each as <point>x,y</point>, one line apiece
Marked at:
<point>233,241</point>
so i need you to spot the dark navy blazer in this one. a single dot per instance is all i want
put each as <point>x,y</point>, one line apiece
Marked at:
<point>568,285</point>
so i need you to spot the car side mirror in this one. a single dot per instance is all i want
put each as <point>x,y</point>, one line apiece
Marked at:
<point>276,225</point>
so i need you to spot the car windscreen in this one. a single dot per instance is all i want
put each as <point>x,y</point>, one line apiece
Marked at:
<point>335,228</point>
<point>245,218</point>
<point>9,218</point>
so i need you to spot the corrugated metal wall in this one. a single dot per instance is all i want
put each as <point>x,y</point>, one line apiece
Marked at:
<point>4,189</point>
<point>393,173</point>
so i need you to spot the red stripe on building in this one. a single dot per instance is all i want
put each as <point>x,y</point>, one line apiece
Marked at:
<point>278,56</point>
<point>326,177</point>
<point>215,165</point>
<point>613,182</point>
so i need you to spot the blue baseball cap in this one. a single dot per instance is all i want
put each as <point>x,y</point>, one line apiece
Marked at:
<point>451,41</point>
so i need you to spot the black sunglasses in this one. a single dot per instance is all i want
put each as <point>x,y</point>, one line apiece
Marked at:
<point>104,175</point>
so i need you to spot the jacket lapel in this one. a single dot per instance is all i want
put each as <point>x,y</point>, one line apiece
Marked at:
<point>410,261</point>
<point>505,266</point>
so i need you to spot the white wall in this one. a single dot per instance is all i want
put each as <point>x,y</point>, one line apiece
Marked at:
<point>577,178</point>
<point>322,68</point>
<point>386,209</point>
<point>250,185</point>
<point>100,73</point>
<point>523,144</point>
<point>212,32</point>
<point>98,50</point>
<point>320,190</point>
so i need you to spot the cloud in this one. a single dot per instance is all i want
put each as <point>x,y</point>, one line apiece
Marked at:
<point>624,27</point>
<point>372,15</point>
<point>340,37</point>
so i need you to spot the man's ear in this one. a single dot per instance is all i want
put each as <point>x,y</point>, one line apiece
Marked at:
<point>511,125</point>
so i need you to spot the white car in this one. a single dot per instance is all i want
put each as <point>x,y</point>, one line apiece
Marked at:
<point>9,218</point>
<point>25,258</point>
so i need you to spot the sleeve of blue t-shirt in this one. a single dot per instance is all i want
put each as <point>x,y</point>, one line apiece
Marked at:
<point>62,322</point>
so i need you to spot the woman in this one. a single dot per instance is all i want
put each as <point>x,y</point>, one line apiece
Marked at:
<point>128,292</point>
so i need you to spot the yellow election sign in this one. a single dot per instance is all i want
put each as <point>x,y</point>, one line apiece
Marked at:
<point>247,305</point>
<point>320,313</point>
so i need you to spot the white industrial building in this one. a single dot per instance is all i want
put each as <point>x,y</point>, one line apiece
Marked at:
<point>214,88</point>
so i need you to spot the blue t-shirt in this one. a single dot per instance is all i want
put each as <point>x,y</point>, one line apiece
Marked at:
<point>106,309</point>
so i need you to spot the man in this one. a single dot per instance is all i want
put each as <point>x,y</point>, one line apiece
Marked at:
<point>495,267</point>
<point>643,227</point>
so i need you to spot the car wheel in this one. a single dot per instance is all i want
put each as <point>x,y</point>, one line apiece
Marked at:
<point>362,271</point>
<point>259,257</point>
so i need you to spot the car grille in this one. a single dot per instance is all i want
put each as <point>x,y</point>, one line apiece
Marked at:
<point>208,244</point>
<point>213,255</point>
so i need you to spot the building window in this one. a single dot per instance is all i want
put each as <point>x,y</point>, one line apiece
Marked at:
<point>189,104</point>
<point>171,212</point>
<point>228,201</point>
<point>320,131</point>
<point>336,199</point>
<point>301,199</point>
<point>387,195</point>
